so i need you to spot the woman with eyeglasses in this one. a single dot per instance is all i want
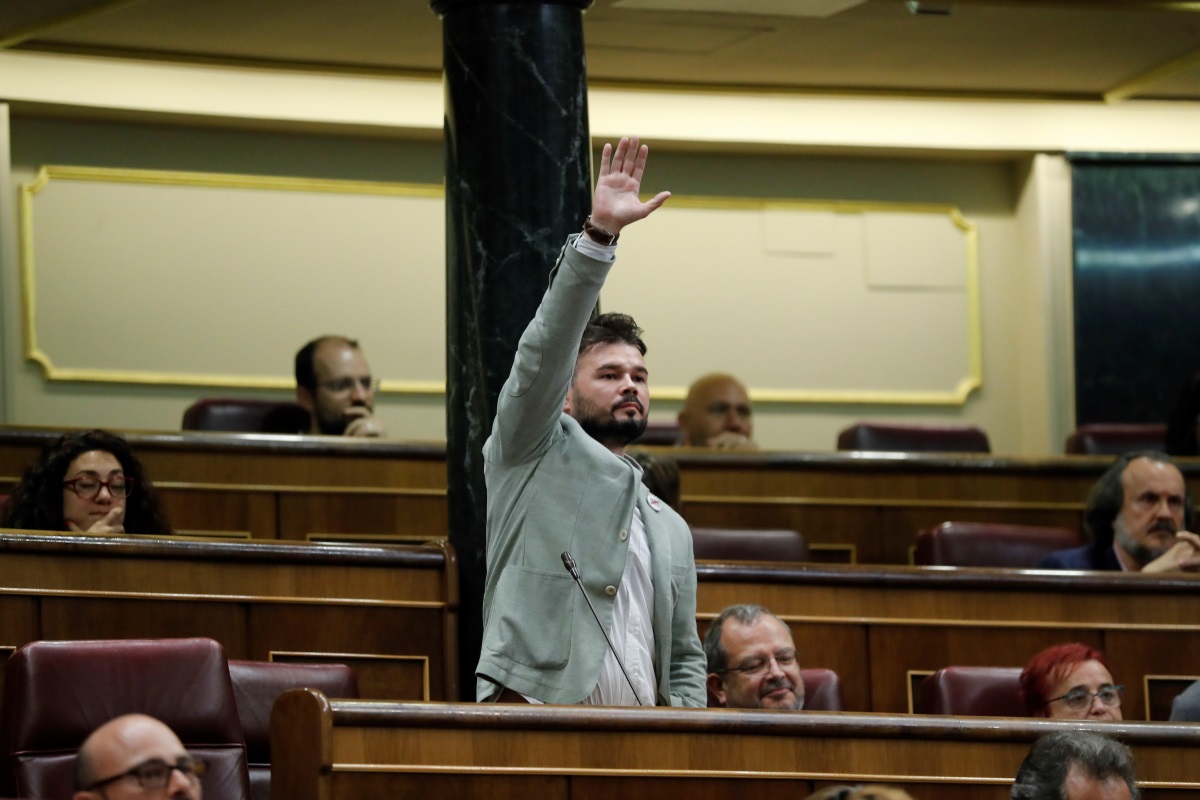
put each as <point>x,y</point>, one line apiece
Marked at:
<point>1070,681</point>
<point>86,482</point>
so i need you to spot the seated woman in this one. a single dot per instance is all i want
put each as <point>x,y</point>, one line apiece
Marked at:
<point>1070,681</point>
<point>87,482</point>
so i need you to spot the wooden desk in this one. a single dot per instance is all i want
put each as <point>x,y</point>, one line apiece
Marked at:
<point>851,507</point>
<point>875,625</point>
<point>390,612</point>
<point>871,506</point>
<point>278,487</point>
<point>343,750</point>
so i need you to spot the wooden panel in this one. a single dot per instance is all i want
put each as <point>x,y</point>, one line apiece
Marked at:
<point>291,486</point>
<point>98,618</point>
<point>332,512</point>
<point>881,623</point>
<point>364,631</point>
<point>928,648</point>
<point>457,787</point>
<point>651,753</point>
<point>18,620</point>
<point>607,788</point>
<point>1153,653</point>
<point>379,677</point>
<point>1161,691</point>
<point>396,607</point>
<point>221,509</point>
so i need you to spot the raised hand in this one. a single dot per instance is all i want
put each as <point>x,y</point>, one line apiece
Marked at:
<point>615,201</point>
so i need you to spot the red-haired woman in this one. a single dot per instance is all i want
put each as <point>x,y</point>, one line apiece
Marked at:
<point>1070,681</point>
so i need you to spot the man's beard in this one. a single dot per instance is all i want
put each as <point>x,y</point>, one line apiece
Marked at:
<point>1140,551</point>
<point>605,427</point>
<point>332,422</point>
<point>782,683</point>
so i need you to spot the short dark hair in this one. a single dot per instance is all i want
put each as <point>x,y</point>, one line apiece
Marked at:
<point>1043,773</point>
<point>36,503</point>
<point>611,328</point>
<point>306,368</point>
<point>714,646</point>
<point>1108,497</point>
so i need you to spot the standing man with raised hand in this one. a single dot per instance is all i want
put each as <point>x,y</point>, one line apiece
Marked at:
<point>559,481</point>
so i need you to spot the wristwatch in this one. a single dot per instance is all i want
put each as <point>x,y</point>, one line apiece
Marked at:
<point>599,236</point>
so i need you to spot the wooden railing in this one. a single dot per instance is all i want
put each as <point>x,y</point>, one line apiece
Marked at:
<point>864,508</point>
<point>390,612</point>
<point>339,750</point>
<point>880,628</point>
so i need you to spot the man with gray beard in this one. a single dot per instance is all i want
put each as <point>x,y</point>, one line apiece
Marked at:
<point>752,661</point>
<point>1138,516</point>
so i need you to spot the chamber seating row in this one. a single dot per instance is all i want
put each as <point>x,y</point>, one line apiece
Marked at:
<point>57,693</point>
<point>248,415</point>
<point>338,750</point>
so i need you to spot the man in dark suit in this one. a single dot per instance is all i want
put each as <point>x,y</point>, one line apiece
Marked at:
<point>1138,515</point>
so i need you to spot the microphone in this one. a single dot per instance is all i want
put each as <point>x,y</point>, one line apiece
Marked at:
<point>573,568</point>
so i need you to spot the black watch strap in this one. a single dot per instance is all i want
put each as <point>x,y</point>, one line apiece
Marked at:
<point>597,235</point>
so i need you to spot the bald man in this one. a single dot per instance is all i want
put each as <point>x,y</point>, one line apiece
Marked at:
<point>717,413</point>
<point>135,756</point>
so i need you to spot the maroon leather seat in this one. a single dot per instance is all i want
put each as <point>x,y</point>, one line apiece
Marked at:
<point>737,544</point>
<point>822,691</point>
<point>56,693</point>
<point>256,686</point>
<point>971,692</point>
<point>985,544</point>
<point>1112,439</point>
<point>895,438</point>
<point>242,415</point>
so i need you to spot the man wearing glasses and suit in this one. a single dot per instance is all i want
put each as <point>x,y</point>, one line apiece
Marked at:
<point>135,756</point>
<point>333,381</point>
<point>752,660</point>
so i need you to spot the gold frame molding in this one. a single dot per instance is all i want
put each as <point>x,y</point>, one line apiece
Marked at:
<point>955,397</point>
<point>195,179</point>
<point>764,396</point>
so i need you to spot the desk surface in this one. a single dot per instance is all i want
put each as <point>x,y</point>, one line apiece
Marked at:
<point>391,612</point>
<point>357,749</point>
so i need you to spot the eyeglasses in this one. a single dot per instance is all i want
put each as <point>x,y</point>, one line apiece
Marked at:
<point>1080,698</point>
<point>155,774</point>
<point>88,486</point>
<point>756,666</point>
<point>343,385</point>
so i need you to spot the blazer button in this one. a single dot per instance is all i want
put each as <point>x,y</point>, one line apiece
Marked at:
<point>623,535</point>
<point>610,590</point>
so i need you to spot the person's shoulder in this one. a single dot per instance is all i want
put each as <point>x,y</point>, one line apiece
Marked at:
<point>1072,558</point>
<point>1084,557</point>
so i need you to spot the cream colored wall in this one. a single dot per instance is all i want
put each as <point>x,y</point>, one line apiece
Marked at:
<point>135,279</point>
<point>978,156</point>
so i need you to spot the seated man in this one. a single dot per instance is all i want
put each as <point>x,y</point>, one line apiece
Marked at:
<point>1076,766</point>
<point>135,756</point>
<point>333,381</point>
<point>1137,517</point>
<point>752,660</point>
<point>717,413</point>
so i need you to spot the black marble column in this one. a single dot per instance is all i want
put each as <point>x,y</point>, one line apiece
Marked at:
<point>518,180</point>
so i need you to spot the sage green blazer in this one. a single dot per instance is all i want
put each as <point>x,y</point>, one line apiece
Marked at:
<point>552,488</point>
